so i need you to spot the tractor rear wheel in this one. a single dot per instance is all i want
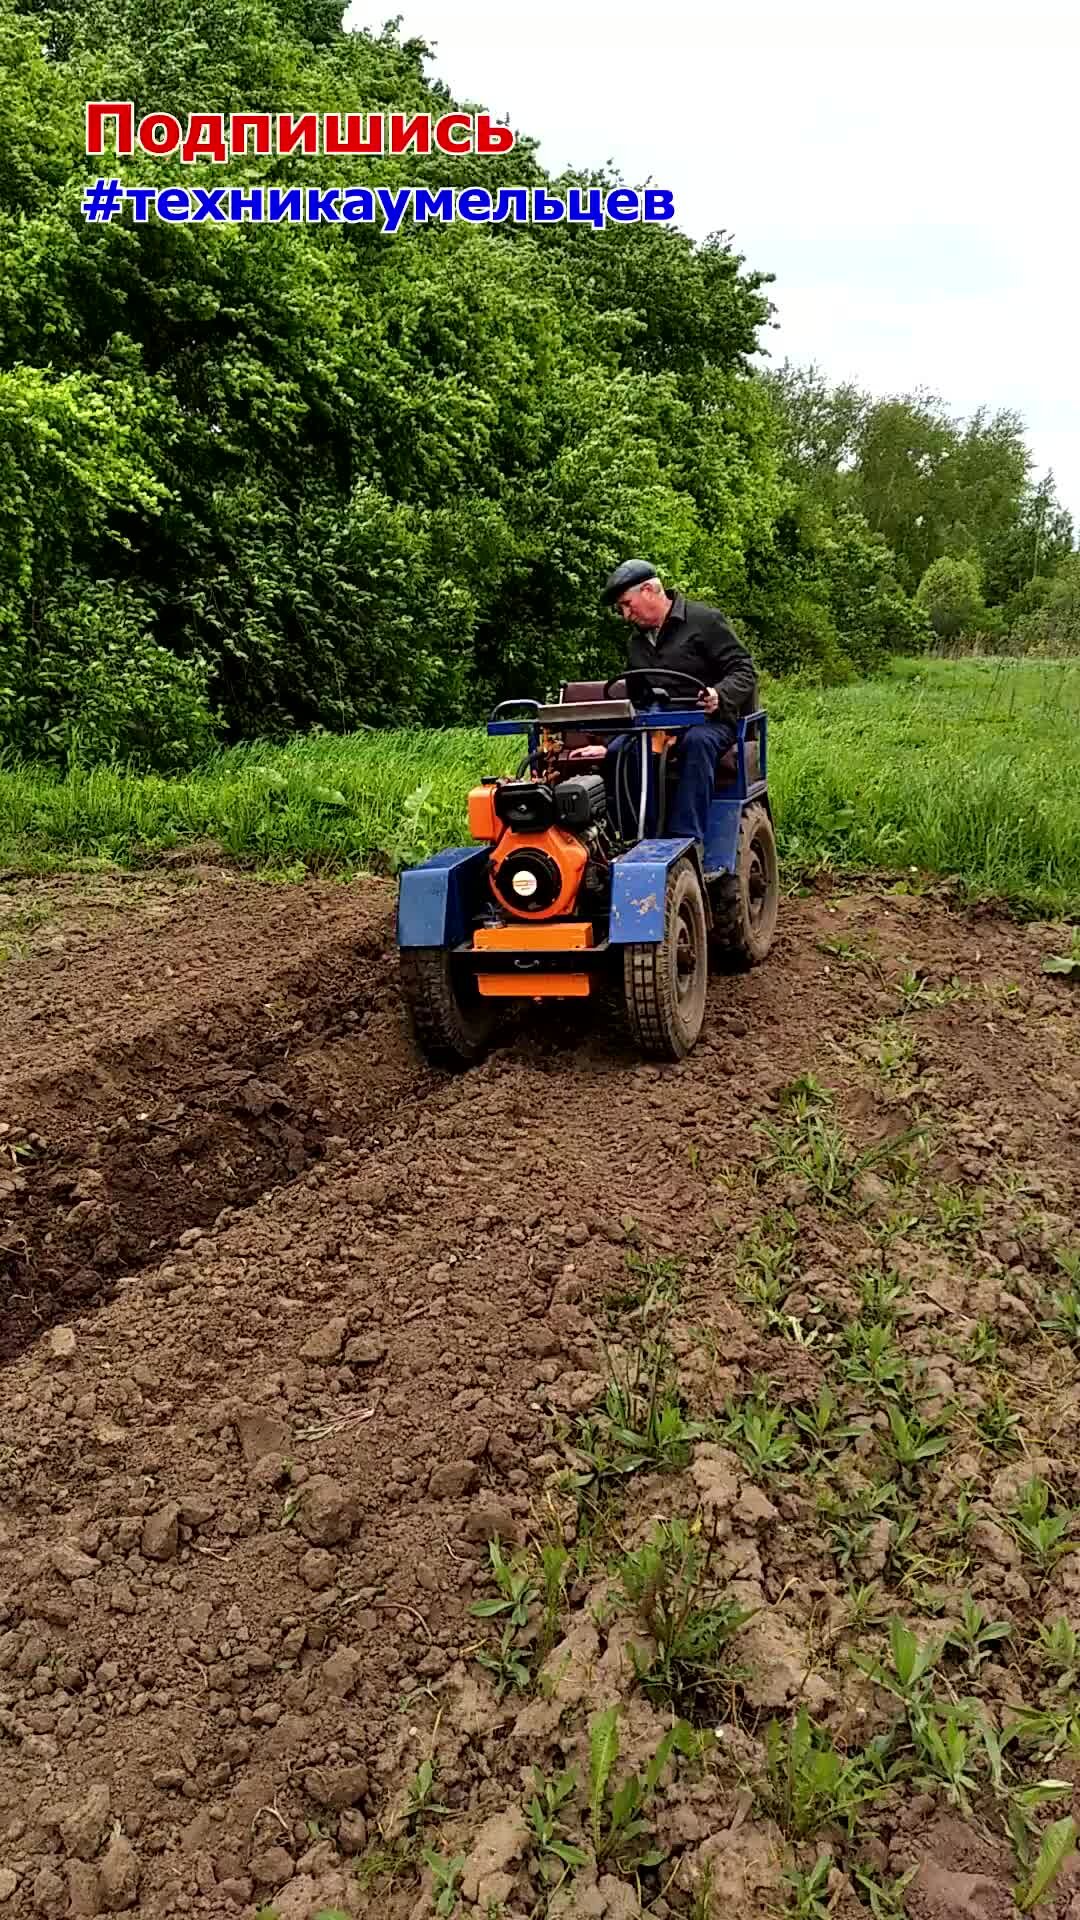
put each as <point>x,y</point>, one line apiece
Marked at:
<point>452,1023</point>
<point>745,903</point>
<point>665,981</point>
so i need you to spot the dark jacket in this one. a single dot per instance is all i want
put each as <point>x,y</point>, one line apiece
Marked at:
<point>697,639</point>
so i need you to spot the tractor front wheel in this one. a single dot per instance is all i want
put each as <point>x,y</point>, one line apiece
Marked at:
<point>452,1023</point>
<point>745,903</point>
<point>665,981</point>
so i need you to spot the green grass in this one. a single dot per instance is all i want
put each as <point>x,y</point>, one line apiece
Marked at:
<point>969,769</point>
<point>962,768</point>
<point>325,803</point>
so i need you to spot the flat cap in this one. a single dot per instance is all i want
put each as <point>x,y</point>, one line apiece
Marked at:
<point>630,573</point>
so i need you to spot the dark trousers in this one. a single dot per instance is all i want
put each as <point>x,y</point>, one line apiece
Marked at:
<point>689,796</point>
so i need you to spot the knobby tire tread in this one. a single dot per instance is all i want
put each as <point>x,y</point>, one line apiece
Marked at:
<point>648,988</point>
<point>444,1031</point>
<point>729,940</point>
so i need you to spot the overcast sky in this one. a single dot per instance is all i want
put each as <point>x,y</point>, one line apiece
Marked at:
<point>907,171</point>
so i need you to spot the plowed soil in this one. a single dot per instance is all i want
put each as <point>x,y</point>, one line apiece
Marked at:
<point>293,1326</point>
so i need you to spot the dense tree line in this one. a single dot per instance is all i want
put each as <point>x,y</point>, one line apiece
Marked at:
<point>256,478</point>
<point>986,552</point>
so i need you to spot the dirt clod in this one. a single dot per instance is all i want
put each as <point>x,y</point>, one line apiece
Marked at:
<point>119,1875</point>
<point>452,1481</point>
<point>161,1534</point>
<point>318,1569</point>
<point>272,1868</point>
<point>779,1663</point>
<point>337,1787</point>
<point>717,1476</point>
<point>82,1827</point>
<point>71,1564</point>
<point>328,1515</point>
<point>326,1343</point>
<point>236,1890</point>
<point>941,1894</point>
<point>743,1868</point>
<point>341,1671</point>
<point>261,1433</point>
<point>489,1520</point>
<point>366,1350</point>
<point>84,1889</point>
<point>352,1831</point>
<point>995,1543</point>
<point>499,1842</point>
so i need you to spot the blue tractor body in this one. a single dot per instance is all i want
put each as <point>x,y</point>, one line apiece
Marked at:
<point>571,879</point>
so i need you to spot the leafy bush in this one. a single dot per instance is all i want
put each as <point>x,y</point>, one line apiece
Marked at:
<point>92,685</point>
<point>950,595</point>
<point>825,602</point>
<point>1053,630</point>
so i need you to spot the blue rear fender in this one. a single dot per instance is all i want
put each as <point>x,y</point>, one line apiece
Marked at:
<point>722,837</point>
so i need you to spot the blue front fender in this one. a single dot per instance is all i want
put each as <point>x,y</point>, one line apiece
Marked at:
<point>639,887</point>
<point>437,899</point>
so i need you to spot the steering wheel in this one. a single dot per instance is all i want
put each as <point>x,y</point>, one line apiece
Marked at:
<point>646,679</point>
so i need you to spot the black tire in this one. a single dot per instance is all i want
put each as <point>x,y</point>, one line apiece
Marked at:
<point>452,1023</point>
<point>745,903</point>
<point>665,982</point>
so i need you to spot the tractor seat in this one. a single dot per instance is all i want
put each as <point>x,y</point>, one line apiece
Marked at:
<point>574,693</point>
<point>727,767</point>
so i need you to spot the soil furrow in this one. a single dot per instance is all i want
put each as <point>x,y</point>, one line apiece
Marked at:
<point>247,1500</point>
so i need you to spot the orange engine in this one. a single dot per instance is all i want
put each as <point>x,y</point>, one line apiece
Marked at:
<point>536,876</point>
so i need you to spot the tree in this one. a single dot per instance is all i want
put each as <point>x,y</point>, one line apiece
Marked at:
<point>819,427</point>
<point>830,592</point>
<point>329,475</point>
<point>929,485</point>
<point>1031,546</point>
<point>1053,630</point>
<point>950,596</point>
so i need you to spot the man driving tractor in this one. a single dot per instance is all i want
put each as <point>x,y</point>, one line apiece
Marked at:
<point>684,636</point>
<point>569,889</point>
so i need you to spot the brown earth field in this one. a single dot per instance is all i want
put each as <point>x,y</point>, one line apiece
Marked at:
<point>572,1488</point>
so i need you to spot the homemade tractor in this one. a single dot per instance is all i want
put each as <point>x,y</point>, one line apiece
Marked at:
<point>574,889</point>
